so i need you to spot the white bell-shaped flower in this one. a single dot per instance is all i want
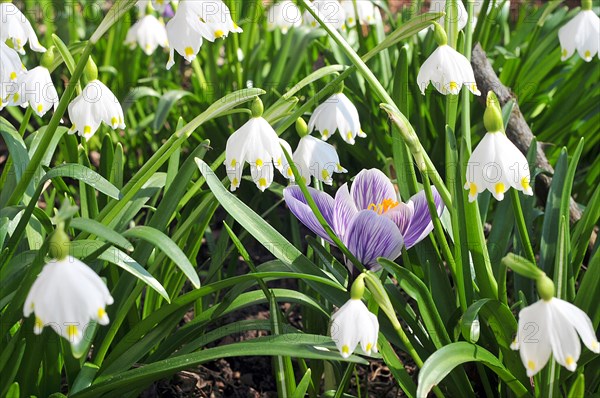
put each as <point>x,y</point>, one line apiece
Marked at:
<point>257,144</point>
<point>496,164</point>
<point>66,296</point>
<point>210,18</point>
<point>148,33</point>
<point>183,39</point>
<point>15,27</point>
<point>314,157</point>
<point>337,113</point>
<point>157,5</point>
<point>10,70</point>
<point>95,104</point>
<point>352,324</point>
<point>331,13</point>
<point>551,327</point>
<point>447,70</point>
<point>582,33</point>
<point>366,12</point>
<point>284,15</point>
<point>35,88</point>
<point>461,12</point>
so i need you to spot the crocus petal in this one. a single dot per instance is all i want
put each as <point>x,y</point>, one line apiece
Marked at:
<point>370,236</point>
<point>420,224</point>
<point>343,210</point>
<point>297,203</point>
<point>371,187</point>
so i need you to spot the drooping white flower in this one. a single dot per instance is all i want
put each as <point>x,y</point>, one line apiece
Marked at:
<point>461,12</point>
<point>447,70</point>
<point>35,88</point>
<point>66,296</point>
<point>258,144</point>
<point>10,69</point>
<point>551,327</point>
<point>14,26</point>
<point>148,33</point>
<point>353,323</point>
<point>314,157</point>
<point>158,5</point>
<point>331,13</point>
<point>337,113</point>
<point>210,18</point>
<point>582,33</point>
<point>366,12</point>
<point>95,104</point>
<point>496,164</point>
<point>195,20</point>
<point>284,15</point>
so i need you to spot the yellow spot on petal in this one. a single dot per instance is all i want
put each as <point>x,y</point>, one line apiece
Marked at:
<point>101,313</point>
<point>233,162</point>
<point>564,53</point>
<point>345,350</point>
<point>236,26</point>
<point>369,346</point>
<point>350,20</point>
<point>313,24</point>
<point>235,182</point>
<point>259,163</point>
<point>87,130</point>
<point>349,135</point>
<point>499,188</point>
<point>325,175</point>
<point>72,331</point>
<point>339,167</point>
<point>188,51</point>
<point>16,97</point>
<point>218,33</point>
<point>453,86</point>
<point>39,325</point>
<point>262,182</point>
<point>525,183</point>
<point>588,54</point>
<point>531,365</point>
<point>325,133</point>
<point>40,108</point>
<point>569,360</point>
<point>279,162</point>
<point>290,172</point>
<point>13,75</point>
<point>472,189</point>
<point>114,120</point>
<point>595,346</point>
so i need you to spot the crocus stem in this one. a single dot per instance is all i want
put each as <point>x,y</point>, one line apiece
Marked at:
<point>408,133</point>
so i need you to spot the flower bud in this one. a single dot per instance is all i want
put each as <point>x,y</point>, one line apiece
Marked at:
<point>492,118</point>
<point>59,243</point>
<point>48,58</point>
<point>91,70</point>
<point>257,107</point>
<point>586,4</point>
<point>358,288</point>
<point>301,127</point>
<point>439,34</point>
<point>545,287</point>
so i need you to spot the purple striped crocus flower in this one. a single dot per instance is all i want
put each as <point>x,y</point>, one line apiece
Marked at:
<point>367,218</point>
